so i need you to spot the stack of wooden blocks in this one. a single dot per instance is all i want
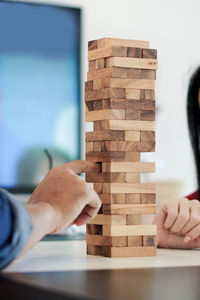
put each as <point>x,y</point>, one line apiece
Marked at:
<point>120,101</point>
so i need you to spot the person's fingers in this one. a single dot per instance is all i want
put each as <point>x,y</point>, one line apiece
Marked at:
<point>194,217</point>
<point>171,209</point>
<point>192,234</point>
<point>82,166</point>
<point>183,216</point>
<point>160,218</point>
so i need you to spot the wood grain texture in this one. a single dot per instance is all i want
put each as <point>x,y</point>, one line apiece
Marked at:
<point>132,94</point>
<point>129,62</point>
<point>148,198</point>
<point>147,94</point>
<point>129,251</point>
<point>148,74</point>
<point>108,220</point>
<point>147,136</point>
<point>112,198</point>
<point>149,240</point>
<point>111,135</point>
<point>147,115</point>
<point>106,114</point>
<point>135,241</point>
<point>94,250</point>
<point>133,198</point>
<point>89,147</point>
<point>149,53</point>
<point>99,156</point>
<point>129,146</point>
<point>125,209</point>
<point>130,125</point>
<point>133,220</point>
<point>135,167</point>
<point>128,83</point>
<point>131,114</point>
<point>108,42</point>
<point>132,135</point>
<point>104,94</point>
<point>129,230</point>
<point>110,241</point>
<point>134,52</point>
<point>117,51</point>
<point>105,177</point>
<point>94,229</point>
<point>132,177</point>
<point>92,45</point>
<point>140,104</point>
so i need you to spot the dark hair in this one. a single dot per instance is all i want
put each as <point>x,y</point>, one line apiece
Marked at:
<point>193,117</point>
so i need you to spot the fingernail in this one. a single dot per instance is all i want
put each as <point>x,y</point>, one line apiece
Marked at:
<point>187,239</point>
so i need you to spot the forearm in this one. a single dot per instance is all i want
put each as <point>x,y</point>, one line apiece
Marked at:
<point>43,219</point>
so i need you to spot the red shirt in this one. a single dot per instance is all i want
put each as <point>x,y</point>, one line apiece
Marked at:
<point>193,196</point>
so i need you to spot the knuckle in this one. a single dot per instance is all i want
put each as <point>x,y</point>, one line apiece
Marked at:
<point>184,217</point>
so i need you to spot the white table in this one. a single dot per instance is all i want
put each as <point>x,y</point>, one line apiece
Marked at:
<point>71,255</point>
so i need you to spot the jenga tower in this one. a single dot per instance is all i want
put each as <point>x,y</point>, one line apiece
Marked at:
<point>120,101</point>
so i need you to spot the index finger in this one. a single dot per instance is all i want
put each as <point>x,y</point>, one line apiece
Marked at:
<point>82,166</point>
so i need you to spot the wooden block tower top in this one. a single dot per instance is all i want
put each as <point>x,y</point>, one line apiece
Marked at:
<point>120,101</point>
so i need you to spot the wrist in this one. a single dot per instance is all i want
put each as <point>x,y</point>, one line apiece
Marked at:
<point>43,216</point>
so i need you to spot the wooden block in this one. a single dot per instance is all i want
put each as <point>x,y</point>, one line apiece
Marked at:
<point>96,146</point>
<point>129,251</point>
<point>129,146</point>
<point>148,74</point>
<point>114,103</point>
<point>147,136</point>
<point>128,83</point>
<point>104,94</point>
<point>140,104</point>
<point>148,198</point>
<point>100,63</point>
<point>108,220</point>
<point>113,72</point>
<point>132,177</point>
<point>106,114</point>
<point>131,114</point>
<point>105,177</point>
<point>117,51</point>
<point>125,209</point>
<point>129,62</point>
<point>134,52</point>
<point>135,167</point>
<point>110,241</point>
<point>129,125</point>
<point>132,198</point>
<point>147,115</point>
<point>89,85</point>
<point>132,136</point>
<point>94,229</point>
<point>111,135</point>
<point>100,156</point>
<point>149,240</point>
<point>132,156</point>
<point>92,45</point>
<point>135,241</point>
<point>92,65</point>
<point>108,42</point>
<point>89,147</point>
<point>149,53</point>
<point>89,106</point>
<point>98,187</point>
<point>133,220</point>
<point>147,94</point>
<point>134,73</point>
<point>132,94</point>
<point>97,84</point>
<point>129,230</point>
<point>112,198</point>
<point>94,250</point>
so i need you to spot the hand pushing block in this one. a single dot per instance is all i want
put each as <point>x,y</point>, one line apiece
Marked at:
<point>120,101</point>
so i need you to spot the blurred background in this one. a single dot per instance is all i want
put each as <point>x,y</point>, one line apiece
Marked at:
<point>43,64</point>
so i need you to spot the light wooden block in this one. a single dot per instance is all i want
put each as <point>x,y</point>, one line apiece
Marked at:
<point>130,125</point>
<point>132,93</point>
<point>129,146</point>
<point>129,251</point>
<point>105,177</point>
<point>108,42</point>
<point>133,198</point>
<point>112,198</point>
<point>89,147</point>
<point>148,198</point>
<point>108,220</point>
<point>127,83</point>
<point>135,167</point>
<point>106,114</point>
<point>110,135</point>
<point>118,51</point>
<point>129,230</point>
<point>129,62</point>
<point>132,177</point>
<point>132,136</point>
<point>133,219</point>
<point>148,136</point>
<point>127,209</point>
<point>104,94</point>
